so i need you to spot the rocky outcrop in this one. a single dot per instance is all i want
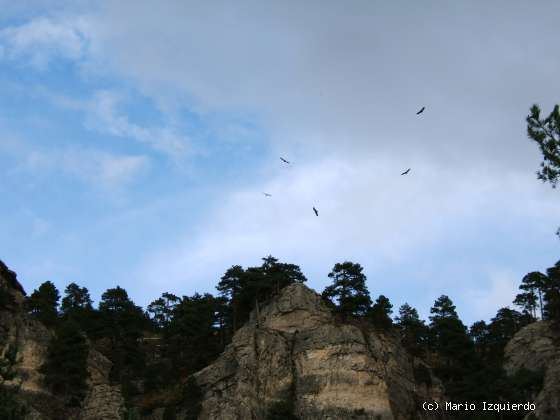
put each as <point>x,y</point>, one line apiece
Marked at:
<point>537,348</point>
<point>296,352</point>
<point>103,400</point>
<point>23,348</point>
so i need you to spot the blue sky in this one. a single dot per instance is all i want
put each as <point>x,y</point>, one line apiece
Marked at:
<point>136,142</point>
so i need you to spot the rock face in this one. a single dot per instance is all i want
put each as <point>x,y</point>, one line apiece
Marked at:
<point>23,348</point>
<point>103,400</point>
<point>296,352</point>
<point>537,348</point>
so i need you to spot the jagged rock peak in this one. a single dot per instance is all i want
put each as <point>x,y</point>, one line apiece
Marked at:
<point>293,353</point>
<point>296,308</point>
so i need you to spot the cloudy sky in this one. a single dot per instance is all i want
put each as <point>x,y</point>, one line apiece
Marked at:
<point>137,137</point>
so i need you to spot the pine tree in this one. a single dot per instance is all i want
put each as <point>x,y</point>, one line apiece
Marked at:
<point>43,303</point>
<point>501,330</point>
<point>552,294</point>
<point>546,132</point>
<point>450,341</point>
<point>349,290</point>
<point>76,298</point>
<point>532,286</point>
<point>380,313</point>
<point>193,334</point>
<point>161,309</point>
<point>77,306</point>
<point>413,330</point>
<point>230,287</point>
<point>65,368</point>
<point>443,308</point>
<point>123,323</point>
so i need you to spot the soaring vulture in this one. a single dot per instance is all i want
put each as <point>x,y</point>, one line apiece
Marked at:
<point>421,110</point>
<point>316,212</point>
<point>284,160</point>
<point>405,172</point>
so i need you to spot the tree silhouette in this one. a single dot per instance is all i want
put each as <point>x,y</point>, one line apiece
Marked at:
<point>43,303</point>
<point>193,333</point>
<point>414,332</point>
<point>65,368</point>
<point>349,290</point>
<point>532,285</point>
<point>161,309</point>
<point>448,337</point>
<point>230,287</point>
<point>123,323</point>
<point>380,313</point>
<point>546,132</point>
<point>551,293</point>
<point>75,298</point>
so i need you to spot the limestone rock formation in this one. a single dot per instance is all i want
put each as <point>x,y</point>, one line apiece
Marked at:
<point>23,349</point>
<point>297,353</point>
<point>537,348</point>
<point>103,400</point>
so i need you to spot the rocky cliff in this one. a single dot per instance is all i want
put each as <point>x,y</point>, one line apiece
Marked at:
<point>296,353</point>
<point>23,348</point>
<point>537,348</point>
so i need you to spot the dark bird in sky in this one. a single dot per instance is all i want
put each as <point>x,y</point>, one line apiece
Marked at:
<point>267,194</point>
<point>421,110</point>
<point>284,160</point>
<point>405,172</point>
<point>316,212</point>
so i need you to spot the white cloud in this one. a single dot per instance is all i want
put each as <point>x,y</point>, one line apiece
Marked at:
<point>43,38</point>
<point>104,116</point>
<point>104,169</point>
<point>367,212</point>
<point>99,168</point>
<point>328,77</point>
<point>336,87</point>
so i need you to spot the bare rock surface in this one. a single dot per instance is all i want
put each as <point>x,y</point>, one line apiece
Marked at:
<point>23,349</point>
<point>296,352</point>
<point>537,348</point>
<point>103,400</point>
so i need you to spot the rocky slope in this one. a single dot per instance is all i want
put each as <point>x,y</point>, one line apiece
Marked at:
<point>23,348</point>
<point>296,352</point>
<point>537,348</point>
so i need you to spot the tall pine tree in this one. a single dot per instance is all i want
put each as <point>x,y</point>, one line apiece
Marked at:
<point>348,291</point>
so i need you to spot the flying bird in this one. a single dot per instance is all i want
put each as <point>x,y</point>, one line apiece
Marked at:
<point>406,172</point>
<point>284,160</point>
<point>267,194</point>
<point>421,110</point>
<point>316,212</point>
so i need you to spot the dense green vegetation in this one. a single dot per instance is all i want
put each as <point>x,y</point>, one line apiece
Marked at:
<point>66,367</point>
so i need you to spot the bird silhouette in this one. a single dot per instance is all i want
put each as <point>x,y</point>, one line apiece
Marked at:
<point>406,172</point>
<point>316,212</point>
<point>284,160</point>
<point>267,194</point>
<point>421,110</point>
